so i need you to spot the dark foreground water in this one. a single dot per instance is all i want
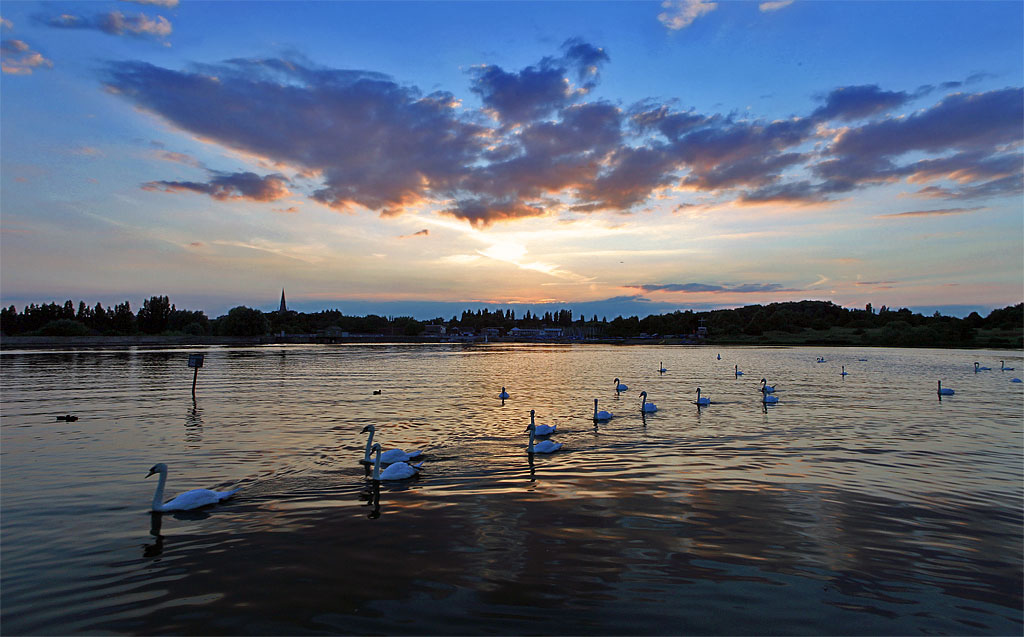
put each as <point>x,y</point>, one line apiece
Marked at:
<point>858,505</point>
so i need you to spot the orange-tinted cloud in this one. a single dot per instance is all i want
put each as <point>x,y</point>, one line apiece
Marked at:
<point>18,58</point>
<point>244,185</point>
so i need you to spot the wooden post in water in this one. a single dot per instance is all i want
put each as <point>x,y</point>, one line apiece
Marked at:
<point>195,361</point>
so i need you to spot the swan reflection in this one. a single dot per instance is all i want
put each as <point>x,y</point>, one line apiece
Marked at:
<point>157,547</point>
<point>372,498</point>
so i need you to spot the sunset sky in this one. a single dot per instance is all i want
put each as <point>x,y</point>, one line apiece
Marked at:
<point>422,158</point>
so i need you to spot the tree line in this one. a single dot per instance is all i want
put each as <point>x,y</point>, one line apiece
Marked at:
<point>882,327</point>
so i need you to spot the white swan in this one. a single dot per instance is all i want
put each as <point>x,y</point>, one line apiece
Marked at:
<point>843,373</point>
<point>702,401</point>
<point>765,387</point>
<point>389,456</point>
<point>945,392</point>
<point>601,415</point>
<point>646,407</point>
<point>978,368</point>
<point>736,368</point>
<point>541,430</point>
<point>544,446</point>
<point>504,394</point>
<point>662,369</point>
<point>1003,367</point>
<point>619,386</point>
<point>1016,380</point>
<point>397,471</point>
<point>719,357</point>
<point>186,501</point>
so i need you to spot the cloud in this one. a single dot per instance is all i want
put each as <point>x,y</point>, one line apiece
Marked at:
<point>6,24</point>
<point>537,91</point>
<point>178,158</point>
<point>680,14</point>
<point>695,288</point>
<point>289,210</point>
<point>850,103</point>
<point>18,58</point>
<point>243,185</point>
<point>169,4</point>
<point>114,23</point>
<point>931,213</point>
<point>539,145</point>
<point>774,6</point>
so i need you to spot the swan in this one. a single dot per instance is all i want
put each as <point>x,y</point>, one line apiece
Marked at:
<point>765,387</point>
<point>396,471</point>
<point>503,395</point>
<point>843,373</point>
<point>1004,368</point>
<point>945,392</point>
<point>601,415</point>
<point>719,357</point>
<point>619,386</point>
<point>978,368</point>
<point>1016,380</point>
<point>541,430</point>
<point>702,401</point>
<point>389,456</point>
<point>662,369</point>
<point>544,446</point>
<point>736,368</point>
<point>821,359</point>
<point>186,501</point>
<point>646,407</point>
<point>768,399</point>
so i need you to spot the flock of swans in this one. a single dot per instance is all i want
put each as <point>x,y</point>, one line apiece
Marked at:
<point>399,467</point>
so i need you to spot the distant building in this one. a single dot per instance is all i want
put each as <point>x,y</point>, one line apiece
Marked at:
<point>434,330</point>
<point>284,306</point>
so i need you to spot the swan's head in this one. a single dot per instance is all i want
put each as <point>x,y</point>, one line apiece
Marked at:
<point>617,380</point>
<point>532,413</point>
<point>376,447</point>
<point>368,428</point>
<point>531,427</point>
<point>764,380</point>
<point>157,468</point>
<point>644,394</point>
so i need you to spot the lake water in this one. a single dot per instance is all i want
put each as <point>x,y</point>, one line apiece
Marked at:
<point>859,504</point>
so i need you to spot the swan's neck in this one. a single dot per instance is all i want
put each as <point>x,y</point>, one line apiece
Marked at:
<point>376,464</point>
<point>595,409</point>
<point>158,497</point>
<point>369,444</point>
<point>530,448</point>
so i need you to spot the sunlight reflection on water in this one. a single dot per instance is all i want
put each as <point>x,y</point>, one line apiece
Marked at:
<point>858,504</point>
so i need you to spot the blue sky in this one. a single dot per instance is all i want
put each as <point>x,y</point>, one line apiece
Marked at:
<point>421,158</point>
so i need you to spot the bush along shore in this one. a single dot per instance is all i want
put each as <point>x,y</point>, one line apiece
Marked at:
<point>159,322</point>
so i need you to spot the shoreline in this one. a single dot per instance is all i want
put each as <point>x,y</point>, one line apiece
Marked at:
<point>115,342</point>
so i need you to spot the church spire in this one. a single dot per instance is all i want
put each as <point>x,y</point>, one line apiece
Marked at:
<point>284,306</point>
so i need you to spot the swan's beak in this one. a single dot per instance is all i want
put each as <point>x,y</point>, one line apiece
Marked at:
<point>365,429</point>
<point>151,472</point>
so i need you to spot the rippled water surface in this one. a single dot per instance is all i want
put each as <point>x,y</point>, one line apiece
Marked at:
<point>857,505</point>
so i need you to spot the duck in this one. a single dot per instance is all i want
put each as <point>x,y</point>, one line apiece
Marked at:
<point>646,407</point>
<point>389,456</point>
<point>601,415</point>
<point>945,392</point>
<point>70,418</point>
<point>843,373</point>
<point>396,471</point>
<point>978,368</point>
<point>619,386</point>
<point>376,392</point>
<point>661,369</point>
<point>765,387</point>
<point>503,395</point>
<point>542,430</point>
<point>736,368</point>
<point>1003,367</point>
<point>186,501</point>
<point>702,401</point>
<point>544,446</point>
